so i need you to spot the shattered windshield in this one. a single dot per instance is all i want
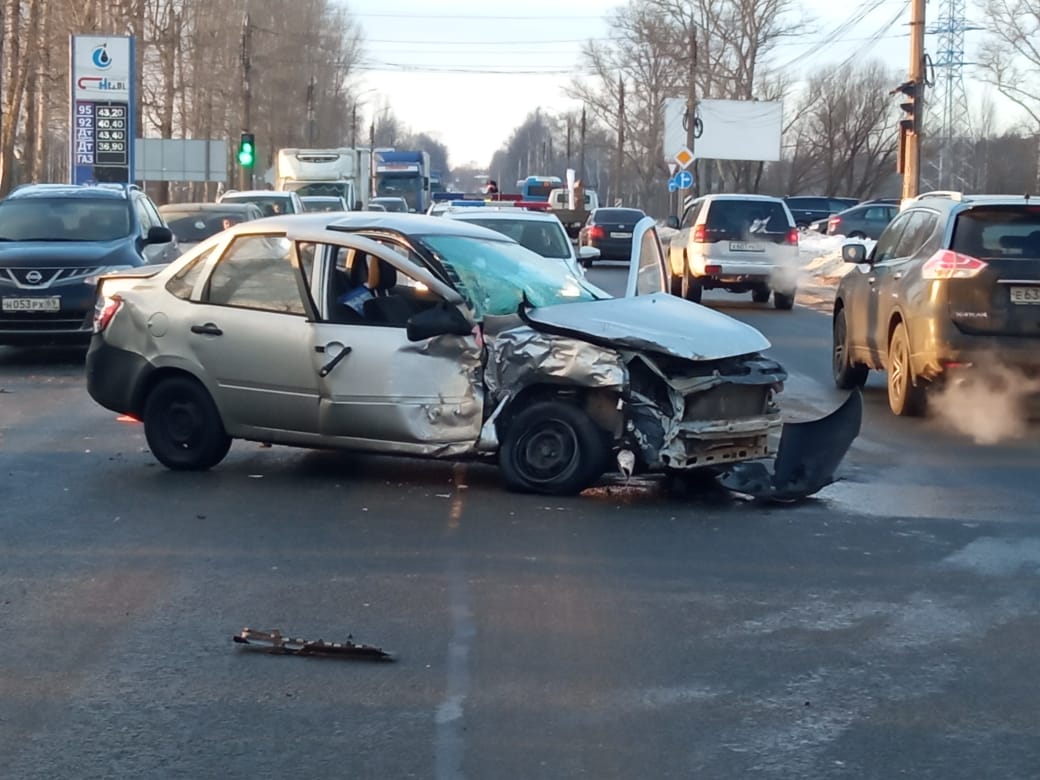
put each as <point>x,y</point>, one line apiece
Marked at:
<point>495,276</point>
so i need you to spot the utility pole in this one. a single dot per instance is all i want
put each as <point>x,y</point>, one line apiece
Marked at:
<point>581,149</point>
<point>691,114</point>
<point>620,141</point>
<point>569,131</point>
<point>247,96</point>
<point>353,125</point>
<point>912,138</point>
<point>311,121</point>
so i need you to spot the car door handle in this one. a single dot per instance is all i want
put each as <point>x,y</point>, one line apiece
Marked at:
<point>207,329</point>
<point>871,280</point>
<point>897,275</point>
<point>327,368</point>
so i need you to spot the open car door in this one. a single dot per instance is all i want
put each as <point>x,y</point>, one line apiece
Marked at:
<point>646,265</point>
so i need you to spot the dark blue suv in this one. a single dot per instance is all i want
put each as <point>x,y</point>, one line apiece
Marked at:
<point>55,239</point>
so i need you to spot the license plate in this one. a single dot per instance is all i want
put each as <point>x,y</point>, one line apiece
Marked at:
<point>621,235</point>
<point>744,246</point>
<point>32,304</point>
<point>1025,295</point>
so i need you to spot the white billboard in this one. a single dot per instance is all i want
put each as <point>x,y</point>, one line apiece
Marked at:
<point>739,130</point>
<point>101,85</point>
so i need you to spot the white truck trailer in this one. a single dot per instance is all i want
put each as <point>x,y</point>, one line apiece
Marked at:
<point>343,172</point>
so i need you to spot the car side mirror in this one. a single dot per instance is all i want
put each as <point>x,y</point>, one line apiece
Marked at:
<point>588,253</point>
<point>159,235</point>
<point>854,253</point>
<point>441,320</point>
<point>672,222</point>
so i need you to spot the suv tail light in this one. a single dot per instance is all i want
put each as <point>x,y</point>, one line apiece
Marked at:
<point>597,233</point>
<point>832,223</point>
<point>792,236</point>
<point>104,310</point>
<point>700,234</point>
<point>947,264</point>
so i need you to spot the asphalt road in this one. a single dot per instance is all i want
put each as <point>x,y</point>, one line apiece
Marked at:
<point>885,629</point>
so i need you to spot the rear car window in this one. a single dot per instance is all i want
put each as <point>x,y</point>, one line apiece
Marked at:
<point>631,216</point>
<point>808,204</point>
<point>195,226</point>
<point>743,219</point>
<point>1010,232</point>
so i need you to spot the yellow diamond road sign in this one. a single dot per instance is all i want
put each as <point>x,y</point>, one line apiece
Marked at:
<point>684,157</point>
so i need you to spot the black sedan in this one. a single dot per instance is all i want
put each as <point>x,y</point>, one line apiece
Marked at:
<point>610,231</point>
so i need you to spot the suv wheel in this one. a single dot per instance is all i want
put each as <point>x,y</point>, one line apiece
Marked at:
<point>905,398</point>
<point>783,301</point>
<point>183,427</point>
<point>846,375</point>
<point>761,294</point>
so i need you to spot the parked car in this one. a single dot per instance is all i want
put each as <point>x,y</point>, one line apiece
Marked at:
<point>464,345</point>
<point>610,230</point>
<point>323,203</point>
<point>738,243</point>
<point>390,203</point>
<point>55,240</point>
<point>195,222</point>
<point>806,209</point>
<point>271,202</point>
<point>865,221</point>
<point>541,232</point>
<point>952,285</point>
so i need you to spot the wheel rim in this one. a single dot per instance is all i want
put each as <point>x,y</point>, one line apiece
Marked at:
<point>183,424</point>
<point>839,344</point>
<point>898,375</point>
<point>546,452</point>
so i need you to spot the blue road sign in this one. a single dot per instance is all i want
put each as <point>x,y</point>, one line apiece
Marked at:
<point>684,180</point>
<point>673,185</point>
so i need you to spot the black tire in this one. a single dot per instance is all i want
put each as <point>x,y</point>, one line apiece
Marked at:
<point>675,285</point>
<point>761,294</point>
<point>856,234</point>
<point>783,301</point>
<point>552,447</point>
<point>846,375</point>
<point>905,398</point>
<point>183,427</point>
<point>691,288</point>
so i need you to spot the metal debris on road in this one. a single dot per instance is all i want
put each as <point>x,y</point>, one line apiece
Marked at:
<point>273,642</point>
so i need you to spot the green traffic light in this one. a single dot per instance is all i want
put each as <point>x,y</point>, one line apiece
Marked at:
<point>246,153</point>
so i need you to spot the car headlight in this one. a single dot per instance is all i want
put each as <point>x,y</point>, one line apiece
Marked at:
<point>108,269</point>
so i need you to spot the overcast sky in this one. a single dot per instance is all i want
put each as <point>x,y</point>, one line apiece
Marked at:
<point>469,71</point>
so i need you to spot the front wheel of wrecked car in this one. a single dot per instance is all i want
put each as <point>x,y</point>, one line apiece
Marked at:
<point>183,427</point>
<point>554,448</point>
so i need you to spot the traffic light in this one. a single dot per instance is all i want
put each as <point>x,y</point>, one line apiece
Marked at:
<point>246,150</point>
<point>911,121</point>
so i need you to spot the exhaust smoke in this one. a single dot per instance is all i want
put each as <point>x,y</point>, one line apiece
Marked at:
<point>992,404</point>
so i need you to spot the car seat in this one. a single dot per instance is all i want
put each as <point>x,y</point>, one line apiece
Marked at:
<point>387,307</point>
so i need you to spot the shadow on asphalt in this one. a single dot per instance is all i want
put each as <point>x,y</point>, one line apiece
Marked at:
<point>39,357</point>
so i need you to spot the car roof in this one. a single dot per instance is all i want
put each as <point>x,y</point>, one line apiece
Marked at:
<point>312,198</point>
<point>740,196</point>
<point>387,197</point>
<point>493,213</point>
<point>68,191</point>
<point>407,224</point>
<point>257,194</point>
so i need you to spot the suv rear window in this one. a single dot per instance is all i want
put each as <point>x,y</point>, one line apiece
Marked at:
<point>1009,232</point>
<point>64,219</point>
<point>808,204</point>
<point>631,216</point>
<point>741,220</point>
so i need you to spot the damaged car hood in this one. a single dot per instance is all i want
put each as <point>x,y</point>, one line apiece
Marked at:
<point>656,323</point>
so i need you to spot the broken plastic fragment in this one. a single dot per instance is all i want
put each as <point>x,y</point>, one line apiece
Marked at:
<point>273,642</point>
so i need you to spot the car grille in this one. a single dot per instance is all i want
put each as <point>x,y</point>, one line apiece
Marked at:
<point>41,277</point>
<point>727,402</point>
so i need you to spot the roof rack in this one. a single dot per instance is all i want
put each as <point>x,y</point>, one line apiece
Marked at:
<point>951,194</point>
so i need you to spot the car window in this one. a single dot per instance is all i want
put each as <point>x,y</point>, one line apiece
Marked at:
<point>541,236</point>
<point>64,219</point>
<point>690,217</point>
<point>872,213</point>
<point>153,212</point>
<point>745,218</point>
<point>840,204</point>
<point>195,226</point>
<point>915,234</point>
<point>1010,232</point>
<point>256,273</point>
<point>885,248</point>
<point>143,216</point>
<point>808,204</point>
<point>183,282</point>
<point>648,278</point>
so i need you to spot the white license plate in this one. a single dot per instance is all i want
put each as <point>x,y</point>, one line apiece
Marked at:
<point>1025,295</point>
<point>744,246</point>
<point>32,304</point>
<point>621,235</point>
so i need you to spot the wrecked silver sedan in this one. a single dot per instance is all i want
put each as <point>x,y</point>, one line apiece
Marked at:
<point>411,335</point>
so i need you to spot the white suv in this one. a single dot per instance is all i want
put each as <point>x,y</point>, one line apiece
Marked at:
<point>270,202</point>
<point>738,243</point>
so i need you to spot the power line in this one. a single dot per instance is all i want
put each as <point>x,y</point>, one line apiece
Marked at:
<point>535,18</point>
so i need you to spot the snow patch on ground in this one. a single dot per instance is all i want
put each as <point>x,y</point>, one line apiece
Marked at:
<point>821,256</point>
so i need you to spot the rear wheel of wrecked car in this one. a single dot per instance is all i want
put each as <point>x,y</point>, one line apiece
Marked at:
<point>783,301</point>
<point>904,397</point>
<point>552,447</point>
<point>183,427</point>
<point>846,375</point>
<point>760,294</point>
